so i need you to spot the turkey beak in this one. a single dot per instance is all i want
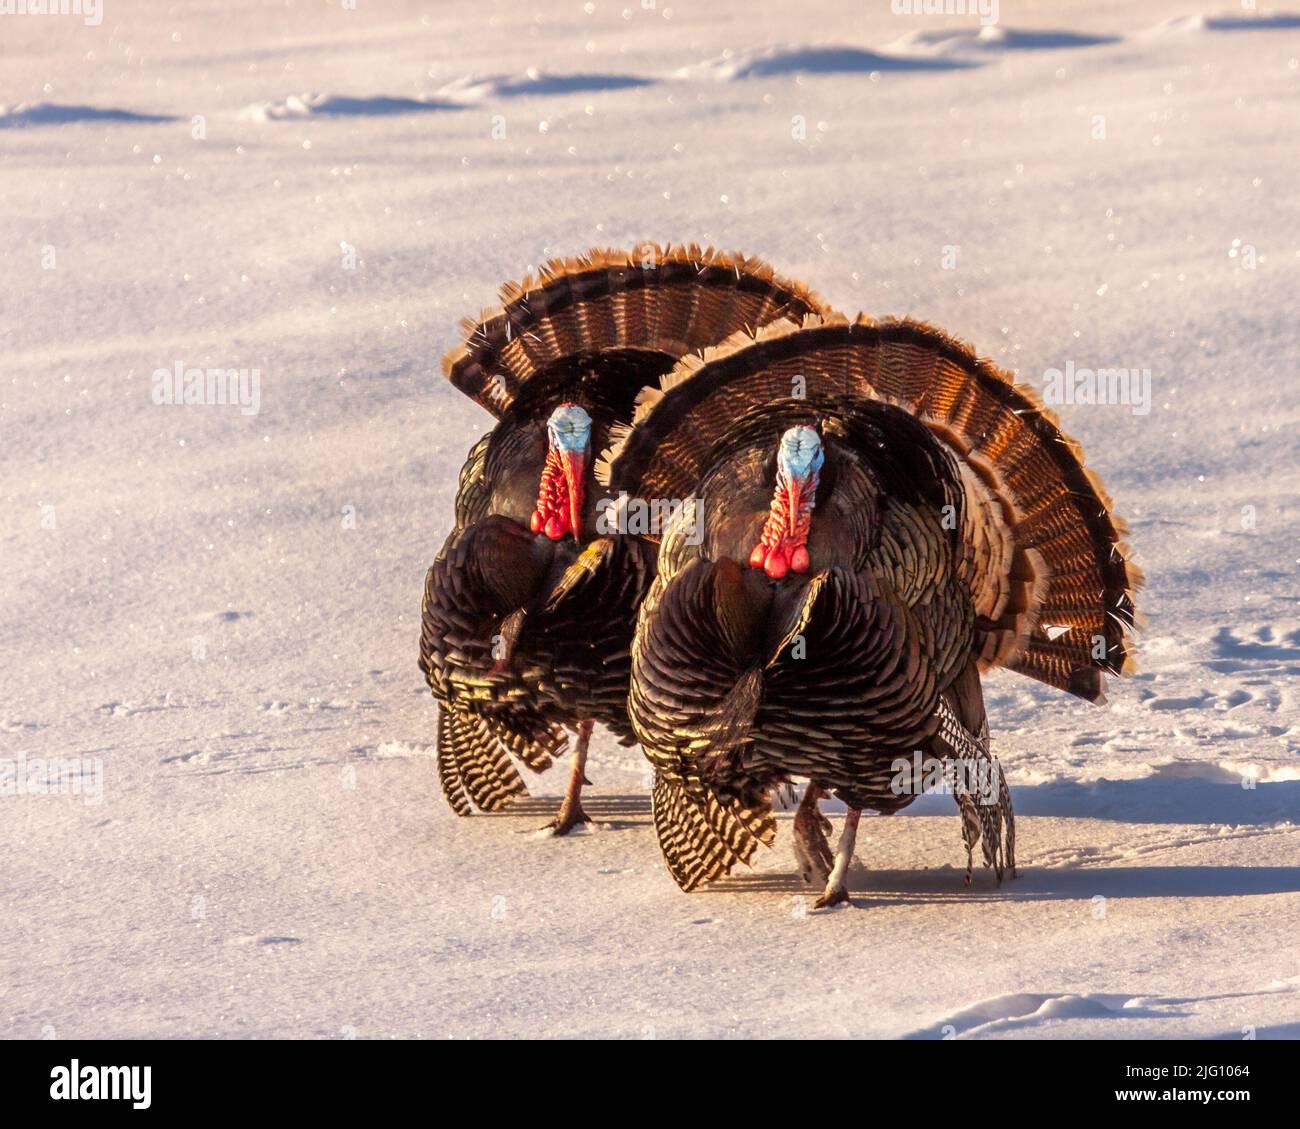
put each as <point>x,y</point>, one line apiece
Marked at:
<point>574,465</point>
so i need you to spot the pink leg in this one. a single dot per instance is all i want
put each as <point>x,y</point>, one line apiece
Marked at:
<point>571,813</point>
<point>836,891</point>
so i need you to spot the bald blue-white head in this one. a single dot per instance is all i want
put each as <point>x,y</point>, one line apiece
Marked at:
<point>800,454</point>
<point>569,429</point>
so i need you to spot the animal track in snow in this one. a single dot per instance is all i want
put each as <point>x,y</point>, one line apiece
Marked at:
<point>399,750</point>
<point>471,90</point>
<point>18,725</point>
<point>269,941</point>
<point>770,62</point>
<point>922,50</point>
<point>300,735</point>
<point>918,51</point>
<point>1025,1009</point>
<point>317,705</point>
<point>233,753</point>
<point>312,105</point>
<point>1152,702</point>
<point>1265,649</point>
<point>536,83</point>
<point>136,709</point>
<point>1020,1010</point>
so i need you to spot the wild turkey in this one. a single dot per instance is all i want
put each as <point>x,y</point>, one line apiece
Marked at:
<point>528,609</point>
<point>879,516</point>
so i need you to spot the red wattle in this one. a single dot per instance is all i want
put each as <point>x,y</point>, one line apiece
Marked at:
<point>559,496</point>
<point>783,544</point>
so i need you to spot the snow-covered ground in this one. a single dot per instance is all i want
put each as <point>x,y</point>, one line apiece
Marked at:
<point>218,609</point>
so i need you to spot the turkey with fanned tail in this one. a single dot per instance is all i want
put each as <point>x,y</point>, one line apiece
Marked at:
<point>529,607</point>
<point>876,517</point>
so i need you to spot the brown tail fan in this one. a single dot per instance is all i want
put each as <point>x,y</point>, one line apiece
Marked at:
<point>660,299</point>
<point>1051,578</point>
<point>474,760</point>
<point>702,835</point>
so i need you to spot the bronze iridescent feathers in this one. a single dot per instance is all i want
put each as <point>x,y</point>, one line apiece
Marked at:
<point>956,527</point>
<point>881,515</point>
<point>669,300</point>
<point>1049,572</point>
<point>525,634</point>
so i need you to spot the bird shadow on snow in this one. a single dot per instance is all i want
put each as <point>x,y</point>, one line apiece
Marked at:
<point>1162,798</point>
<point>615,812</point>
<point>868,887</point>
<point>1082,883</point>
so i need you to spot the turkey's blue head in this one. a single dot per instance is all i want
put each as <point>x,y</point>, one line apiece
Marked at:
<point>800,455</point>
<point>783,545</point>
<point>560,493</point>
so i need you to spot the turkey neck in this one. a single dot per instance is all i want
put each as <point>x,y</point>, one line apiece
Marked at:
<point>605,385</point>
<point>738,494</point>
<point>517,461</point>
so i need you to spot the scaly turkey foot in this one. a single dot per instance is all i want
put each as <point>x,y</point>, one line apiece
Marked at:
<point>833,895</point>
<point>569,817</point>
<point>571,813</point>
<point>836,892</point>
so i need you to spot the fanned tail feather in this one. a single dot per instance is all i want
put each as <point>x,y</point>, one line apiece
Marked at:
<point>474,760</point>
<point>703,835</point>
<point>983,797</point>
<point>730,723</point>
<point>970,829</point>
<point>1048,572</point>
<point>667,300</point>
<point>993,825</point>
